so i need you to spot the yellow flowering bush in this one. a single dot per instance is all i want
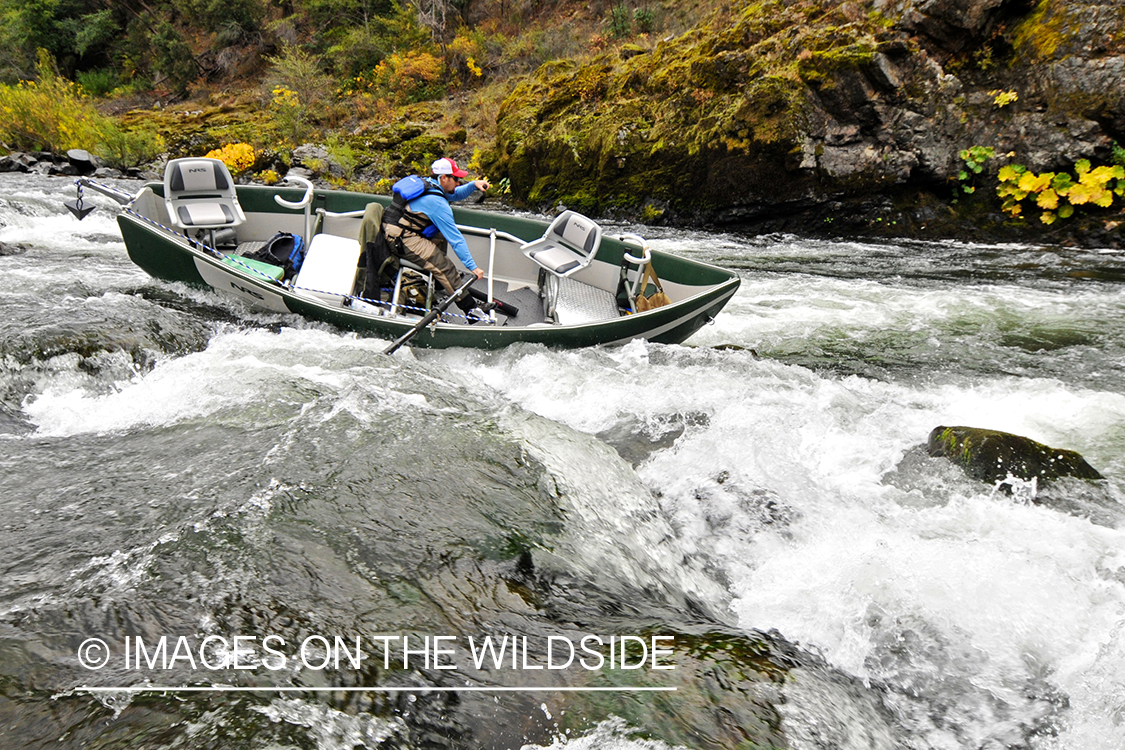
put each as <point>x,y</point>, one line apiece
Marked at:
<point>363,83</point>
<point>285,98</point>
<point>238,157</point>
<point>49,114</point>
<point>464,53</point>
<point>409,77</point>
<point>288,112</point>
<point>1057,193</point>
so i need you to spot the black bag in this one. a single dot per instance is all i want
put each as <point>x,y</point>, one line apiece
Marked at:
<point>381,266</point>
<point>283,249</point>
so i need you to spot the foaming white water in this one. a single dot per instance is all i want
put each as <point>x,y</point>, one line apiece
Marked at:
<point>329,728</point>
<point>611,734</point>
<point>41,219</point>
<point>238,369</point>
<point>980,616</point>
<point>615,531</point>
<point>977,618</point>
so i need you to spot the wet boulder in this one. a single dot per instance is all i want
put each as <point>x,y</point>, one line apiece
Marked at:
<point>990,455</point>
<point>17,162</point>
<point>83,161</point>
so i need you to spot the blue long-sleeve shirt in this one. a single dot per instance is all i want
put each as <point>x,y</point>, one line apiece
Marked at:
<point>439,212</point>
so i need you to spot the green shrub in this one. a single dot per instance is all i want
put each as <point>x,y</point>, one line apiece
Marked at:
<point>302,73</point>
<point>645,20</point>
<point>620,23</point>
<point>173,58</point>
<point>974,159</point>
<point>360,47</point>
<point>289,115</point>
<point>224,16</point>
<point>98,83</point>
<point>342,153</point>
<point>125,149</point>
<point>1118,154</point>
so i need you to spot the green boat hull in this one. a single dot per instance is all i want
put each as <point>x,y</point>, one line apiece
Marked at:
<point>167,255</point>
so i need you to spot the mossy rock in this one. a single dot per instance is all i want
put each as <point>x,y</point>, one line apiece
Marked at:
<point>389,136</point>
<point>424,148</point>
<point>990,455</point>
<point>702,117</point>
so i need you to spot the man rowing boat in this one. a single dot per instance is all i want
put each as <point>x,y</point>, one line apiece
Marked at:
<point>419,226</point>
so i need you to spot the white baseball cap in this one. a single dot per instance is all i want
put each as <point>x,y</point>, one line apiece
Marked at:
<point>448,166</point>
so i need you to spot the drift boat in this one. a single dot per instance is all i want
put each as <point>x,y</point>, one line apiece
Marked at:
<point>561,284</point>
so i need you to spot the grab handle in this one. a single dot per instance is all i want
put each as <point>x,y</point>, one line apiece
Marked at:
<point>305,203</point>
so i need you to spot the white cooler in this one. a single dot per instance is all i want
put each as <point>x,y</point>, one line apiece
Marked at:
<point>329,268</point>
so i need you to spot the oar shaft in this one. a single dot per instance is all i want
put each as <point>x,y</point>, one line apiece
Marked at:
<point>428,318</point>
<point>510,310</point>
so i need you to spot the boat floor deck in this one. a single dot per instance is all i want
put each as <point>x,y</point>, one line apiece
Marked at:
<point>575,302</point>
<point>525,299</point>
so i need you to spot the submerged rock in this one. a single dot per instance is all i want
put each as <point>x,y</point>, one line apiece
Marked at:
<point>990,455</point>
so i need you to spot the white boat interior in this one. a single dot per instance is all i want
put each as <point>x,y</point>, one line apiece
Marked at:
<point>555,279</point>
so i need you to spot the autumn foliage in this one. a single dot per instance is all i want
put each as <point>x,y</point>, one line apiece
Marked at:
<point>1057,193</point>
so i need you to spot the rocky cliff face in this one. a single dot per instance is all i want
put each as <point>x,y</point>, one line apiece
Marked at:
<point>797,115</point>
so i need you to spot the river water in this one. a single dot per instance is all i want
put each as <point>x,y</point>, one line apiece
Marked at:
<point>175,464</point>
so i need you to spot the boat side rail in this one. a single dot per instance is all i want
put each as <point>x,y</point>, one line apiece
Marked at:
<point>635,266</point>
<point>465,228</point>
<point>301,205</point>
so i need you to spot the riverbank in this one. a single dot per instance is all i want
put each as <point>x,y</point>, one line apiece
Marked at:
<point>986,122</point>
<point>918,215</point>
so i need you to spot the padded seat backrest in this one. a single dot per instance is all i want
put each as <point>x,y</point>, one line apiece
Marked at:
<point>199,194</point>
<point>569,244</point>
<point>576,232</point>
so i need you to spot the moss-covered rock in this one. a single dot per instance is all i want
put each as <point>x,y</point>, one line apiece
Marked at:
<point>699,122</point>
<point>789,116</point>
<point>1078,52</point>
<point>990,455</point>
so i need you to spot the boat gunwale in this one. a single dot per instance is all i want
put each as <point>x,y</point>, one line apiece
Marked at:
<point>607,331</point>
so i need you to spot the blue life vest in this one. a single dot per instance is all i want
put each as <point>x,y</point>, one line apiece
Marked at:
<point>404,191</point>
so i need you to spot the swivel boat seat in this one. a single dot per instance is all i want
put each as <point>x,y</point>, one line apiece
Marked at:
<point>199,195</point>
<point>569,244</point>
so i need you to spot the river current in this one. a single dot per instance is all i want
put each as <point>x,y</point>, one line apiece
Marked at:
<point>175,464</point>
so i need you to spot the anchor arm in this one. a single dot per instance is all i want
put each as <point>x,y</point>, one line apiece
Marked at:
<point>78,207</point>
